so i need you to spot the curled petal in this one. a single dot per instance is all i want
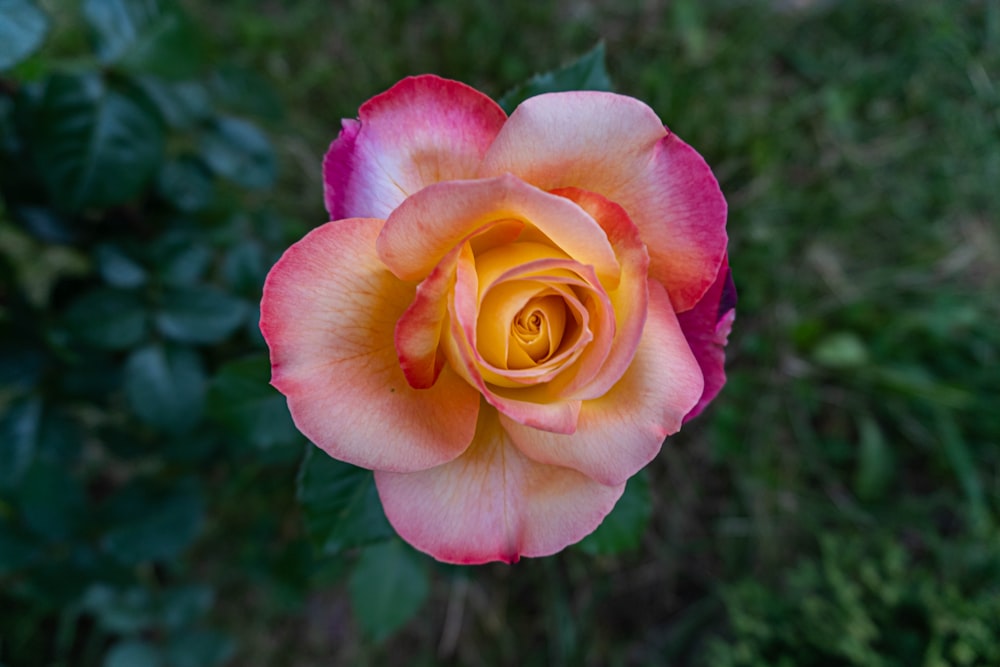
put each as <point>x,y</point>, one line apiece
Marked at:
<point>628,301</point>
<point>429,224</point>
<point>620,432</point>
<point>706,327</point>
<point>418,332</point>
<point>328,314</point>
<point>422,130</point>
<point>564,140</point>
<point>533,406</point>
<point>493,503</point>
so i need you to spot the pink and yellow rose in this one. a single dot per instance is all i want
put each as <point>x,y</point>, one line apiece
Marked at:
<point>506,316</point>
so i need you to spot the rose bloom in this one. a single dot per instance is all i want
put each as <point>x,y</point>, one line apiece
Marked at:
<point>506,316</point>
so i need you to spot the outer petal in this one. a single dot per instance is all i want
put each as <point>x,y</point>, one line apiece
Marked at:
<point>493,503</point>
<point>622,431</point>
<point>328,314</point>
<point>629,300</point>
<point>428,225</point>
<point>706,327</point>
<point>617,147</point>
<point>422,130</point>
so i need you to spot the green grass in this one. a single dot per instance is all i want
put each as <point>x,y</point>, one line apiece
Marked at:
<point>858,144</point>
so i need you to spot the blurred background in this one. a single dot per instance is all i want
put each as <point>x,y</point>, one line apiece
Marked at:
<point>838,504</point>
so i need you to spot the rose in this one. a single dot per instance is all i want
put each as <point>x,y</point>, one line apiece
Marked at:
<point>506,316</point>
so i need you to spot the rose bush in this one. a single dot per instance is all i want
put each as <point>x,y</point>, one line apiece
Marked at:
<point>506,316</point>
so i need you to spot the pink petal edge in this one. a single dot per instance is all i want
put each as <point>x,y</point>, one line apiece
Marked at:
<point>492,503</point>
<point>328,315</point>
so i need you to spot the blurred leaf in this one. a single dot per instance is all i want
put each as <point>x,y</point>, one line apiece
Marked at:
<point>94,146</point>
<point>165,386</point>
<point>148,36</point>
<point>20,430</point>
<point>135,609</point>
<point>843,349</point>
<point>153,526</point>
<point>134,653</point>
<point>117,268</point>
<point>388,587</point>
<point>199,648</point>
<point>875,461</point>
<point>241,397</point>
<point>108,318</point>
<point>622,530</point>
<point>120,611</point>
<point>181,259</point>
<point>186,183</point>
<point>23,27</point>
<point>198,314</point>
<point>240,152</point>
<point>244,268</point>
<point>45,224</point>
<point>181,104</point>
<point>22,363</point>
<point>588,72</point>
<point>341,504</point>
<point>52,501</point>
<point>17,550</point>
<point>243,91</point>
<point>966,470</point>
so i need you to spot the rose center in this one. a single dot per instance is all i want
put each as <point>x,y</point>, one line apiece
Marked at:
<point>538,329</point>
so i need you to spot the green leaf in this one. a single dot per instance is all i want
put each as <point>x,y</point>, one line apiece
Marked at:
<point>147,36</point>
<point>244,268</point>
<point>118,268</point>
<point>966,469</point>
<point>388,587</point>
<point>186,183</point>
<point>94,146</point>
<point>240,152</point>
<point>588,72</point>
<point>22,362</point>
<point>148,526</point>
<point>127,611</point>
<point>199,648</point>
<point>198,314</point>
<point>241,398</point>
<point>52,501</point>
<point>108,318</point>
<point>23,27</point>
<point>165,386</point>
<point>875,461</point>
<point>342,508</point>
<point>181,259</point>
<point>623,528</point>
<point>20,430</point>
<point>181,104</point>
<point>17,550</point>
<point>133,653</point>
<point>243,91</point>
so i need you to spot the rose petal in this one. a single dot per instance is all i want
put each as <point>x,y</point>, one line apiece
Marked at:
<point>423,130</point>
<point>617,147</point>
<point>706,327</point>
<point>425,227</point>
<point>533,406</point>
<point>418,332</point>
<point>620,432</point>
<point>493,503</point>
<point>678,206</point>
<point>328,314</point>
<point>628,301</point>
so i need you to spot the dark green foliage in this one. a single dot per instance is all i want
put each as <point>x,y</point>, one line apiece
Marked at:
<point>837,505</point>
<point>128,280</point>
